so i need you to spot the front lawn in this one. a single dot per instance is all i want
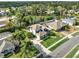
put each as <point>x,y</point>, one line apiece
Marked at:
<point>57,45</point>
<point>75,33</point>
<point>72,53</point>
<point>50,40</point>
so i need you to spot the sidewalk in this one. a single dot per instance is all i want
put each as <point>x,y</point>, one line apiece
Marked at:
<point>41,48</point>
<point>69,36</point>
<point>76,54</point>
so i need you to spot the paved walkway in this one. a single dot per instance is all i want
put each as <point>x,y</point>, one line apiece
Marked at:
<point>70,36</point>
<point>65,48</point>
<point>41,48</point>
<point>76,54</point>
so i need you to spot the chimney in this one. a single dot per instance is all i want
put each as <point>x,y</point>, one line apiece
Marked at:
<point>59,24</point>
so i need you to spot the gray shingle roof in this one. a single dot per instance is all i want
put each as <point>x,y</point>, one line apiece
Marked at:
<point>68,21</point>
<point>6,45</point>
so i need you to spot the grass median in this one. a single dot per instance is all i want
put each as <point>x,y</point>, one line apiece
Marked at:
<point>77,56</point>
<point>72,53</point>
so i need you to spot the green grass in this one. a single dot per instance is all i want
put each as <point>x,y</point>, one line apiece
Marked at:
<point>57,45</point>
<point>75,33</point>
<point>72,53</point>
<point>77,56</point>
<point>32,53</point>
<point>50,40</point>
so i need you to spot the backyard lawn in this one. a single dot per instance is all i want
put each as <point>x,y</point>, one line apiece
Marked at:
<point>72,53</point>
<point>50,40</point>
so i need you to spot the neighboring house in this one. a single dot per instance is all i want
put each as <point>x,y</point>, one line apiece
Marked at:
<point>58,24</point>
<point>71,11</point>
<point>4,11</point>
<point>69,21</point>
<point>39,30</point>
<point>50,12</point>
<point>76,11</point>
<point>14,8</point>
<point>7,46</point>
<point>3,21</point>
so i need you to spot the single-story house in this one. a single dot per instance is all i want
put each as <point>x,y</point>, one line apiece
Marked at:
<point>3,21</point>
<point>41,29</point>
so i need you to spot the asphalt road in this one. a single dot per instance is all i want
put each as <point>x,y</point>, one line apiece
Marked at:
<point>64,48</point>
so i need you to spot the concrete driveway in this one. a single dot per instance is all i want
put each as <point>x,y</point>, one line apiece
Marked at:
<point>64,48</point>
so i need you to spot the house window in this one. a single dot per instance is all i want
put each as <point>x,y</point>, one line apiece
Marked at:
<point>37,31</point>
<point>5,51</point>
<point>40,30</point>
<point>46,30</point>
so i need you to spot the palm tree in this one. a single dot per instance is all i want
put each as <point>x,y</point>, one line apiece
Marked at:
<point>11,23</point>
<point>60,9</point>
<point>20,14</point>
<point>25,44</point>
<point>12,11</point>
<point>26,48</point>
